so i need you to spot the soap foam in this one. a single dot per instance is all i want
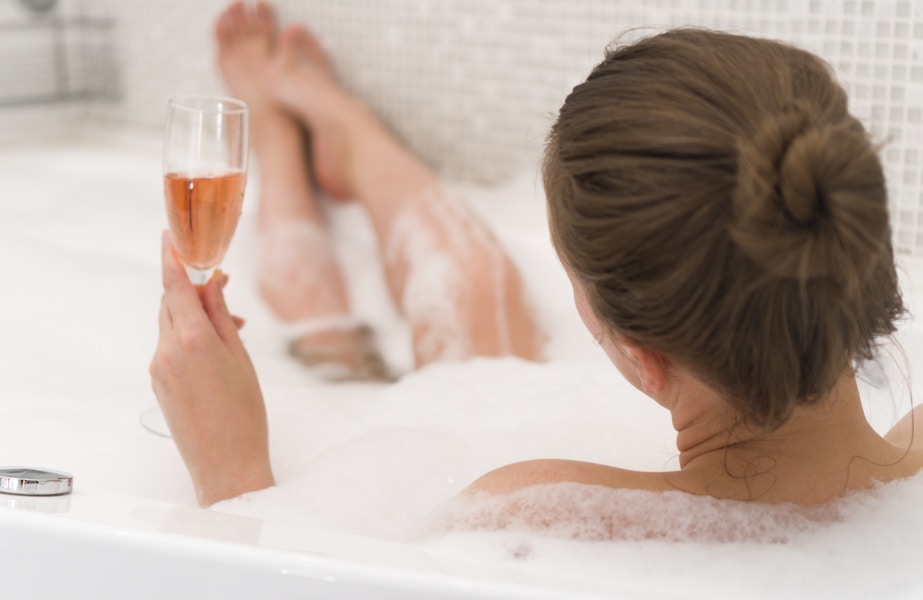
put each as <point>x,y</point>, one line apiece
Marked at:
<point>596,513</point>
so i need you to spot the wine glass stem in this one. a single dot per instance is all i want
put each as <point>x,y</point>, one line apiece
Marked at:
<point>199,276</point>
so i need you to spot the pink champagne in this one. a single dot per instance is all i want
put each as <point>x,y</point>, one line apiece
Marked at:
<point>203,214</point>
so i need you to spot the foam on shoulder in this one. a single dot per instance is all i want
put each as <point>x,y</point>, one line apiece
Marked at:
<point>595,513</point>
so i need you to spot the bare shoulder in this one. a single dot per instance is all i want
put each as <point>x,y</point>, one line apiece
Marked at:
<point>909,431</point>
<point>546,471</point>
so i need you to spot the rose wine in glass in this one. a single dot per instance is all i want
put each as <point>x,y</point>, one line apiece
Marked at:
<point>203,212</point>
<point>205,169</point>
<point>204,174</point>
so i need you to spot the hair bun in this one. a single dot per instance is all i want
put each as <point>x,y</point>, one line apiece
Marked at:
<point>810,199</point>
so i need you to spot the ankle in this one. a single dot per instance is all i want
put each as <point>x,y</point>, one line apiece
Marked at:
<point>271,127</point>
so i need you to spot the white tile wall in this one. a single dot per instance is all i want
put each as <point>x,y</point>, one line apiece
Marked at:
<point>52,56</point>
<point>472,85</point>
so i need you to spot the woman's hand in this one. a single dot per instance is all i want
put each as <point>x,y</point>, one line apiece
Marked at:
<point>208,389</point>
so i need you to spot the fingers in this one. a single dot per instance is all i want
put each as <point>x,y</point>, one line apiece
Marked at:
<point>180,295</point>
<point>184,304</point>
<point>217,310</point>
<point>172,267</point>
<point>223,278</point>
<point>164,320</point>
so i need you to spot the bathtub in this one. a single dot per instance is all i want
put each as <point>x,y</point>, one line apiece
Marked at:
<point>358,465</point>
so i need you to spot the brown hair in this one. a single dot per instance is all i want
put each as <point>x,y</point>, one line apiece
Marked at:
<point>723,208</point>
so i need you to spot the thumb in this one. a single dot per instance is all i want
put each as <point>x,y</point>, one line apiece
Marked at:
<point>217,310</point>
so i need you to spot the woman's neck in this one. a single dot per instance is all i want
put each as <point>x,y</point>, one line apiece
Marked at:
<point>820,452</point>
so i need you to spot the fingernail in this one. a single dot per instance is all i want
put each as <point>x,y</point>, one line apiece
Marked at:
<point>221,278</point>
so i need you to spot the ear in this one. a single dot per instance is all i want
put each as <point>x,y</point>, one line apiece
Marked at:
<point>651,368</point>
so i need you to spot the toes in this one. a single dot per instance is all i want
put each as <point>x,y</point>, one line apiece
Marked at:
<point>240,19</point>
<point>297,42</point>
<point>265,17</point>
<point>259,19</point>
<point>288,37</point>
<point>245,19</point>
<point>236,19</point>
<point>222,33</point>
<point>226,25</point>
<point>311,46</point>
<point>287,45</point>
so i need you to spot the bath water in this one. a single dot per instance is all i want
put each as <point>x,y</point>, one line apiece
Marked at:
<point>384,461</point>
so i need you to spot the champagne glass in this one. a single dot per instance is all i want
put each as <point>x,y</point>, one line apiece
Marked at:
<point>205,170</point>
<point>204,174</point>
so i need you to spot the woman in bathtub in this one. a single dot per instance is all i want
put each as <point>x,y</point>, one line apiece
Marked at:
<point>723,220</point>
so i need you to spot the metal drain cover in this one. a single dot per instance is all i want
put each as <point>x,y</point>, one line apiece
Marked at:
<point>24,481</point>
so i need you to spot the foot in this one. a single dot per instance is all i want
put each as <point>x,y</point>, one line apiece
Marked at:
<point>302,80</point>
<point>245,37</point>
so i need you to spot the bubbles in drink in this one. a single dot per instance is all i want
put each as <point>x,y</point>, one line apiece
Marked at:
<point>203,213</point>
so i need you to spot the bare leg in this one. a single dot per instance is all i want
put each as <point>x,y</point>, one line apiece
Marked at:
<point>300,278</point>
<point>460,292</point>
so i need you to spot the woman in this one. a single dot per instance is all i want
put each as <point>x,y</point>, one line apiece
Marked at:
<point>723,221</point>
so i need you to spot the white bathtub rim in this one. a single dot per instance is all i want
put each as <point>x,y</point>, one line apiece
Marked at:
<point>409,571</point>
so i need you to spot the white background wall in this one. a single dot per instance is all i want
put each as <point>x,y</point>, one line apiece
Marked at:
<point>473,84</point>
